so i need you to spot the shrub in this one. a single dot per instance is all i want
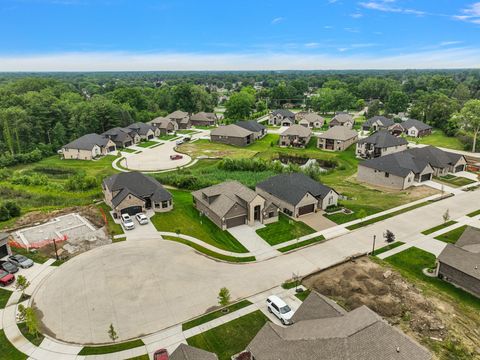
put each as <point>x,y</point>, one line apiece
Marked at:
<point>80,182</point>
<point>13,209</point>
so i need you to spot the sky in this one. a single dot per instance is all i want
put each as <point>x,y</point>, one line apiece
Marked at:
<point>117,35</point>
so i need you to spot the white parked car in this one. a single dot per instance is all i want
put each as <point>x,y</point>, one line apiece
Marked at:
<point>280,309</point>
<point>127,222</point>
<point>179,142</point>
<point>141,218</point>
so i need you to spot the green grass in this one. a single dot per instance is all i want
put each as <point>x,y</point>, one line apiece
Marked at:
<point>35,256</point>
<point>167,137</point>
<point>186,132</point>
<point>438,138</point>
<point>284,229</point>
<point>108,349</point>
<point>474,213</point>
<point>8,351</point>
<point>158,144</point>
<point>185,218</point>
<point>411,262</point>
<point>210,253</point>
<point>456,181</point>
<point>4,296</point>
<point>231,338</point>
<point>127,150</point>
<point>287,285</point>
<point>147,144</point>
<point>452,236</point>
<point>215,315</point>
<point>439,227</point>
<point>112,227</point>
<point>34,339</point>
<point>302,295</point>
<point>302,244</point>
<point>141,357</point>
<point>387,248</point>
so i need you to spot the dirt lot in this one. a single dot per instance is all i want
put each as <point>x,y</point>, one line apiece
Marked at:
<point>450,331</point>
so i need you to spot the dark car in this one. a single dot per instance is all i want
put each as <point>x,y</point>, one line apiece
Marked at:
<point>20,261</point>
<point>8,266</point>
<point>176,157</point>
<point>6,278</point>
<point>161,354</point>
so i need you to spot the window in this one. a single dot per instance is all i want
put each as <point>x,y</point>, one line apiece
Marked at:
<point>164,204</point>
<point>271,214</point>
<point>387,175</point>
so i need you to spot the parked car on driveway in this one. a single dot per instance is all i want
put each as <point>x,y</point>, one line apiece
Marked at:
<point>6,278</point>
<point>187,138</point>
<point>127,222</point>
<point>21,261</point>
<point>176,157</point>
<point>179,142</point>
<point>8,266</point>
<point>161,354</point>
<point>141,218</point>
<point>280,309</point>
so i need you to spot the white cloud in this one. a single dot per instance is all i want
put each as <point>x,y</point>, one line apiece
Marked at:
<point>328,27</point>
<point>277,20</point>
<point>312,45</point>
<point>123,61</point>
<point>448,43</point>
<point>387,6</point>
<point>356,15</point>
<point>470,14</point>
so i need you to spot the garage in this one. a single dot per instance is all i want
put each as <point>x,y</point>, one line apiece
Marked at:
<point>3,251</point>
<point>127,144</point>
<point>460,168</point>
<point>236,221</point>
<point>150,137</point>
<point>111,148</point>
<point>426,177</point>
<point>307,209</point>
<point>131,210</point>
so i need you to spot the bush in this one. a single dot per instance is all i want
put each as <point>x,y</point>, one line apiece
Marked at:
<point>25,158</point>
<point>13,209</point>
<point>34,179</point>
<point>81,182</point>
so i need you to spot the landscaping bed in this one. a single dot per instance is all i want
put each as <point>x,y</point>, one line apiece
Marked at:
<point>34,339</point>
<point>108,349</point>
<point>439,227</point>
<point>285,229</point>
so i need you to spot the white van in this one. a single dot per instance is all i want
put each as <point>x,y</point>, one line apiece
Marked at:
<point>280,309</point>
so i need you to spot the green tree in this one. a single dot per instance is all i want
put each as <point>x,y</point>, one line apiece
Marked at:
<point>112,334</point>
<point>59,135</point>
<point>13,208</point>
<point>4,213</point>
<point>22,283</point>
<point>223,297</point>
<point>469,118</point>
<point>397,102</point>
<point>373,108</point>
<point>31,321</point>
<point>240,105</point>
<point>362,214</point>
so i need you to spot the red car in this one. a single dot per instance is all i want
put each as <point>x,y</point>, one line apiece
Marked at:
<point>176,157</point>
<point>161,354</point>
<point>6,278</point>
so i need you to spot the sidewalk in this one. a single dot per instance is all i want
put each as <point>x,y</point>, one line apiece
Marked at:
<point>248,237</point>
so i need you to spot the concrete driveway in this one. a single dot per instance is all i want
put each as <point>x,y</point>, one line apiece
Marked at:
<point>317,221</point>
<point>143,286</point>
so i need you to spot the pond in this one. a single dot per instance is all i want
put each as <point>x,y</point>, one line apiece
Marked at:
<point>303,160</point>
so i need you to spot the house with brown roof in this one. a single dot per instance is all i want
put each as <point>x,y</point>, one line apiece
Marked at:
<point>377,123</point>
<point>182,119</point>
<point>203,119</point>
<point>232,204</point>
<point>295,136</point>
<point>122,137</point>
<point>186,352</point>
<point>459,263</point>
<point>281,117</point>
<point>310,120</point>
<point>416,128</point>
<point>145,131</point>
<point>380,143</point>
<point>337,138</point>
<point>232,135</point>
<point>164,125</point>
<point>342,119</point>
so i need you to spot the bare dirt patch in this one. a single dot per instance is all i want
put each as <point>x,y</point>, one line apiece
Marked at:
<point>450,331</point>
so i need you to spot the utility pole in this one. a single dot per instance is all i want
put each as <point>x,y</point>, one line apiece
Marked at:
<point>55,246</point>
<point>373,249</point>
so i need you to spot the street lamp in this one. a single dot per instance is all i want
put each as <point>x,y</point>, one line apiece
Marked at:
<point>373,249</point>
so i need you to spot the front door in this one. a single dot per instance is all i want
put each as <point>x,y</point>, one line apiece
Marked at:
<point>256,213</point>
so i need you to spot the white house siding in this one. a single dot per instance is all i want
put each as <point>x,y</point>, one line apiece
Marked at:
<point>394,149</point>
<point>329,200</point>
<point>379,178</point>
<point>78,154</point>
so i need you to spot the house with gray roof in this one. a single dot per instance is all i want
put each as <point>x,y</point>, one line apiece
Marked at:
<point>134,192</point>
<point>442,162</point>
<point>297,194</point>
<point>281,117</point>
<point>342,119</point>
<point>182,119</point>
<point>232,204</point>
<point>203,119</point>
<point>122,137</point>
<point>164,125</point>
<point>4,247</point>
<point>186,352</point>
<point>296,136</point>
<point>310,119</point>
<point>360,334</point>
<point>232,135</point>
<point>416,128</point>
<point>337,138</point>
<point>259,130</point>
<point>88,147</point>
<point>145,131</point>
<point>380,143</point>
<point>377,123</point>
<point>459,263</point>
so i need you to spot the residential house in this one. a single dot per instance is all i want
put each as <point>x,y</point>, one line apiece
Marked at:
<point>310,120</point>
<point>186,352</point>
<point>145,131</point>
<point>296,136</point>
<point>232,135</point>
<point>134,192</point>
<point>416,128</point>
<point>281,117</point>
<point>297,194</point>
<point>4,247</point>
<point>342,119</point>
<point>322,330</point>
<point>380,143</point>
<point>122,137</point>
<point>377,123</point>
<point>203,119</point>
<point>259,131</point>
<point>232,204</point>
<point>182,119</point>
<point>459,263</point>
<point>442,162</point>
<point>337,138</point>
<point>88,147</point>
<point>164,125</point>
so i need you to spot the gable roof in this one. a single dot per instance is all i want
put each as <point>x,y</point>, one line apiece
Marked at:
<point>203,116</point>
<point>161,122</point>
<point>343,117</point>
<point>177,115</point>
<point>311,117</point>
<point>317,306</point>
<point>87,142</point>
<point>136,184</point>
<point>297,130</point>
<point>400,163</point>
<point>384,121</point>
<point>231,130</point>
<point>251,125</point>
<point>383,139</point>
<point>140,127</point>
<point>436,157</point>
<point>118,134</point>
<point>293,187</point>
<point>407,124</point>
<point>283,112</point>
<point>186,352</point>
<point>339,133</point>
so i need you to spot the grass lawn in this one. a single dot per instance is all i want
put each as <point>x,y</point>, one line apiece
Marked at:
<point>167,137</point>
<point>215,315</point>
<point>387,248</point>
<point>35,256</point>
<point>438,138</point>
<point>474,213</point>
<point>112,227</point>
<point>439,227</point>
<point>231,338</point>
<point>302,243</point>
<point>452,236</point>
<point>206,148</point>
<point>108,349</point>
<point>186,219</point>
<point>410,264</point>
<point>8,351</point>
<point>210,253</point>
<point>284,229</point>
<point>453,180</point>
<point>34,339</point>
<point>4,296</point>
<point>302,295</point>
<point>146,144</point>
<point>186,132</point>
<point>127,150</point>
<point>141,357</point>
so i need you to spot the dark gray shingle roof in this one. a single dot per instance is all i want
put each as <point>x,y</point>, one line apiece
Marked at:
<point>118,134</point>
<point>186,352</point>
<point>87,142</point>
<point>400,164</point>
<point>251,125</point>
<point>415,123</point>
<point>435,156</point>
<point>383,139</point>
<point>317,306</point>
<point>384,121</point>
<point>283,112</point>
<point>141,128</point>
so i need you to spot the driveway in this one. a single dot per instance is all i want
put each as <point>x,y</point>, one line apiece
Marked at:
<point>317,221</point>
<point>143,286</point>
<point>247,236</point>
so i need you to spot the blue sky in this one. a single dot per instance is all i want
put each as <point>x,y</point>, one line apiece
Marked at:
<point>237,35</point>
